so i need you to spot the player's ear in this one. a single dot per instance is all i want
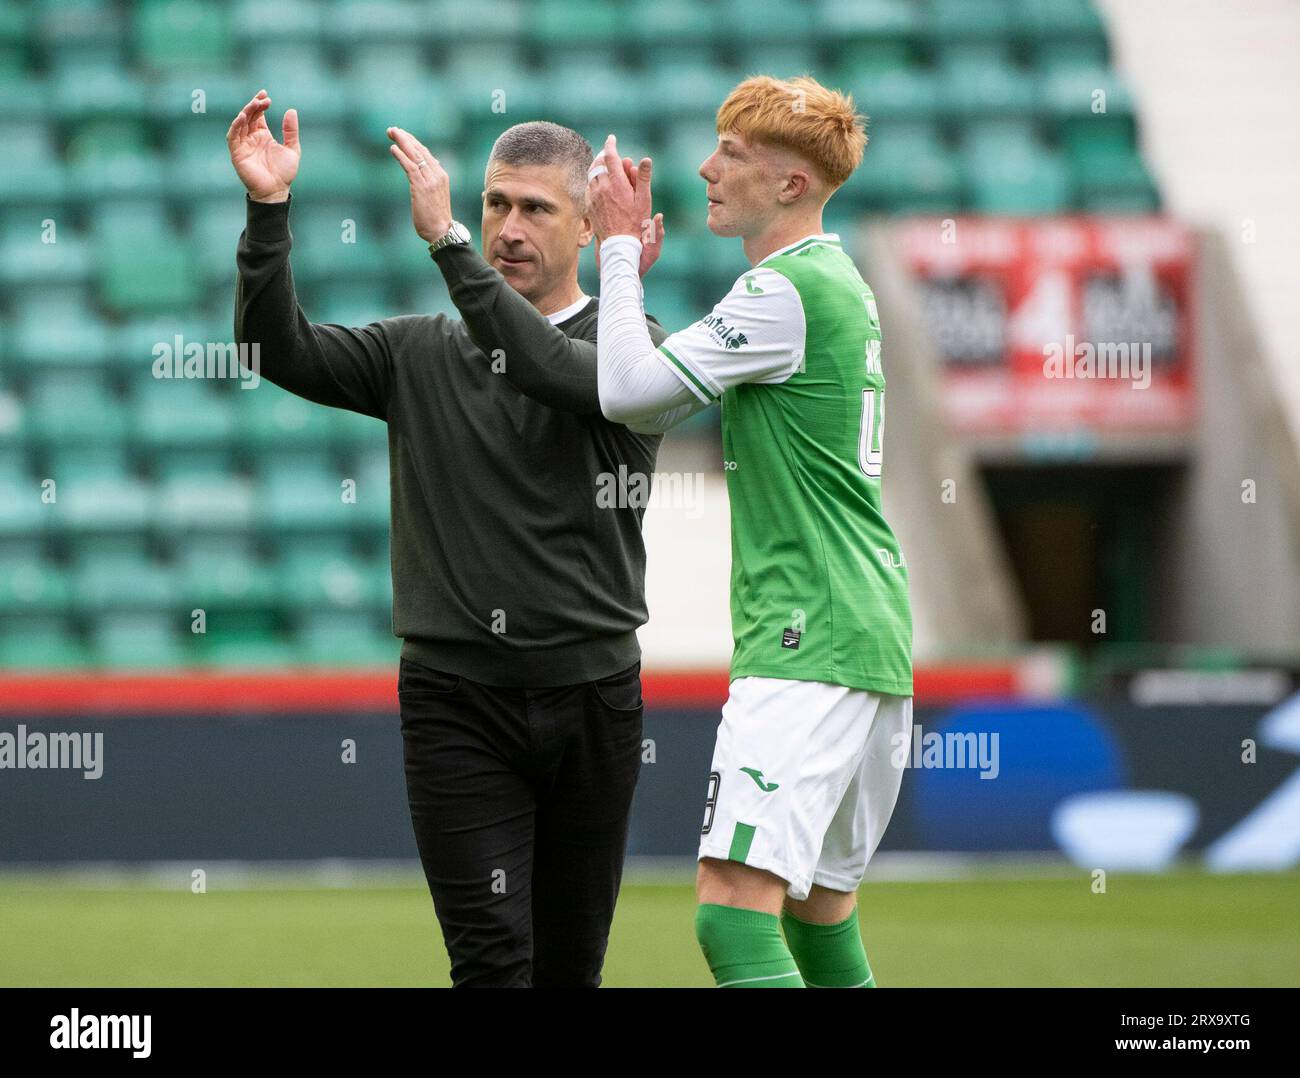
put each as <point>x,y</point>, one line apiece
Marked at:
<point>796,186</point>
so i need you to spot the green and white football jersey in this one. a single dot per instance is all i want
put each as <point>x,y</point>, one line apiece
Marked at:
<point>818,582</point>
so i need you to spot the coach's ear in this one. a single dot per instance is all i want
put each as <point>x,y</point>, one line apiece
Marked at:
<point>585,232</point>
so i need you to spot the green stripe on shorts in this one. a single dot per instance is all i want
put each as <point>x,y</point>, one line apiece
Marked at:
<point>740,842</point>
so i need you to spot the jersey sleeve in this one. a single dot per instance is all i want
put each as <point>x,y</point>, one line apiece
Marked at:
<point>755,334</point>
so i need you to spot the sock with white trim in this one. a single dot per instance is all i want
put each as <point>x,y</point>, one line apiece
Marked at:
<point>744,948</point>
<point>829,956</point>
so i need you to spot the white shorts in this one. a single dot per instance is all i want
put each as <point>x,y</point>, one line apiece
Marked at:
<point>803,781</point>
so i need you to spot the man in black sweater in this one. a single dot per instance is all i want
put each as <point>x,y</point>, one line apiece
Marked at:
<point>516,591</point>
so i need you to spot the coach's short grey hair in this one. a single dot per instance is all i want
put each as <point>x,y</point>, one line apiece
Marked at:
<point>540,142</point>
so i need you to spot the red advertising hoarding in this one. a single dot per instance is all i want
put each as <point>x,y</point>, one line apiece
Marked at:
<point>1059,325</point>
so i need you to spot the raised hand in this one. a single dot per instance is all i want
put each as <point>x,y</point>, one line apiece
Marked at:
<point>619,203</point>
<point>430,185</point>
<point>265,167</point>
<point>652,224</point>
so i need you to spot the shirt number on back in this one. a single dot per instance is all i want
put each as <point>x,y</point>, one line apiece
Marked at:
<point>871,440</point>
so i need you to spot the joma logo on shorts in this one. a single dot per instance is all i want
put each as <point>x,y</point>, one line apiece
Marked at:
<point>757,776</point>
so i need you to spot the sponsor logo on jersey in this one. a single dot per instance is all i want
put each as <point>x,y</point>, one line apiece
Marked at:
<point>889,559</point>
<point>751,287</point>
<point>790,639</point>
<point>757,776</point>
<point>727,336</point>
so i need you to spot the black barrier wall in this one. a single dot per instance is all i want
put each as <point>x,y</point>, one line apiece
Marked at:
<point>985,777</point>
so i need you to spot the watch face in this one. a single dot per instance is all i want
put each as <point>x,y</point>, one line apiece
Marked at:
<point>460,232</point>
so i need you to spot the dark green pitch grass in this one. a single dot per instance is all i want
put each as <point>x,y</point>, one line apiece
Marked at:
<point>1183,929</point>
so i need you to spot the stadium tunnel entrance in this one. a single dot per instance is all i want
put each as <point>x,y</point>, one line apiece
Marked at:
<point>1088,547</point>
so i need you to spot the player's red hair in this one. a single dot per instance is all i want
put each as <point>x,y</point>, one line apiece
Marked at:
<point>799,114</point>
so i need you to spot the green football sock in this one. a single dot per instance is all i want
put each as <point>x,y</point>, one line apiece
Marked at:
<point>744,948</point>
<point>829,956</point>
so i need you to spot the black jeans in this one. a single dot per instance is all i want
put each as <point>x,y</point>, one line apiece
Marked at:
<point>520,801</point>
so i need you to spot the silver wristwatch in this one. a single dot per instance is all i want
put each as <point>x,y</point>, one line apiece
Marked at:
<point>458,233</point>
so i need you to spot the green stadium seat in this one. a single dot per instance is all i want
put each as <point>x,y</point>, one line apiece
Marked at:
<point>33,173</point>
<point>675,302</point>
<point>121,220</point>
<point>564,23</point>
<point>336,639</point>
<point>431,298</point>
<point>106,505</point>
<point>670,31</point>
<point>1108,171</point>
<point>70,408</point>
<point>211,462</point>
<point>494,86</point>
<point>595,97</point>
<point>139,175</point>
<point>214,229</point>
<point>864,21</point>
<point>352,430</point>
<point>297,76</point>
<point>344,304</point>
<point>135,343</point>
<point>1070,93</point>
<point>950,20</point>
<point>123,580</point>
<point>207,95</point>
<point>269,417</point>
<point>899,94</point>
<point>40,643</point>
<point>59,330</point>
<point>417,103</point>
<point>855,60</point>
<point>298,492</point>
<point>405,255</point>
<point>1017,179</point>
<point>358,22</point>
<point>499,21</point>
<point>749,22</point>
<point>677,166</point>
<point>27,262</point>
<point>22,512</point>
<point>972,87</point>
<point>245,641</point>
<point>285,21</point>
<point>1073,20</point>
<point>370,470</point>
<point>907,168</point>
<point>27,138</point>
<point>336,169</point>
<point>148,272</point>
<point>169,413</point>
<point>199,160</point>
<point>182,33</point>
<point>687,91</point>
<point>16,30</point>
<point>1064,54</point>
<point>90,461</point>
<point>31,585</point>
<point>140,641</point>
<point>315,575</point>
<point>99,92</point>
<point>223,574</point>
<point>783,59</point>
<point>24,96</point>
<point>196,498</point>
<point>13,432</point>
